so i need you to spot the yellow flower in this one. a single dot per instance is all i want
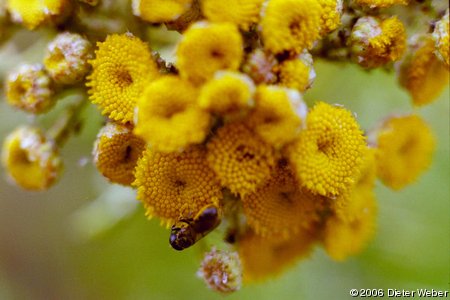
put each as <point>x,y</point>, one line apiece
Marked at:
<point>375,42</point>
<point>291,25</point>
<point>221,271</point>
<point>441,38</point>
<point>67,57</point>
<point>241,160</point>
<point>331,15</point>
<point>280,208</point>
<point>32,13</point>
<point>243,13</point>
<point>227,94</point>
<point>328,153</point>
<point>30,89</point>
<point>380,3</point>
<point>297,73</point>
<point>159,11</point>
<point>344,238</point>
<point>262,258</point>
<point>116,152</point>
<point>31,160</point>
<point>422,74</point>
<point>405,146</point>
<point>123,66</point>
<point>348,206</point>
<point>208,47</point>
<point>168,117</point>
<point>278,114</point>
<point>175,185</point>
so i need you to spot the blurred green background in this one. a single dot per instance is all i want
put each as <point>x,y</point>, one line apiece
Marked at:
<point>88,239</point>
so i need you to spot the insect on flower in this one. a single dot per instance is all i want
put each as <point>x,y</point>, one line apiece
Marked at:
<point>187,231</point>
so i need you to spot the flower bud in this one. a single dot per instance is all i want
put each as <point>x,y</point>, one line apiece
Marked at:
<point>30,89</point>
<point>31,160</point>
<point>66,60</point>
<point>221,271</point>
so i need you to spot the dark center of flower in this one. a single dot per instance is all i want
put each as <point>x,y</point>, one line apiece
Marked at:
<point>123,78</point>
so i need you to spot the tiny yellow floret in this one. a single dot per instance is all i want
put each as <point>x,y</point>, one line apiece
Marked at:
<point>175,185</point>
<point>291,25</point>
<point>159,11</point>
<point>122,68</point>
<point>243,13</point>
<point>209,47</point>
<point>168,117</point>
<point>241,160</point>
<point>116,152</point>
<point>32,13</point>
<point>327,156</point>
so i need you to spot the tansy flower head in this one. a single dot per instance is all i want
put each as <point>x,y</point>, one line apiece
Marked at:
<point>168,117</point>
<point>291,25</point>
<point>280,208</point>
<point>328,153</point>
<point>380,3</point>
<point>221,271</point>
<point>349,205</point>
<point>241,160</point>
<point>330,15</point>
<point>30,89</point>
<point>375,43</point>
<point>240,12</point>
<point>441,38</point>
<point>175,185</point>
<point>404,150</point>
<point>208,47</point>
<point>422,74</point>
<point>344,238</point>
<point>228,94</point>
<point>32,13</point>
<point>262,257</point>
<point>297,73</point>
<point>67,57</point>
<point>30,159</point>
<point>123,66</point>
<point>116,152</point>
<point>278,114</point>
<point>159,11</point>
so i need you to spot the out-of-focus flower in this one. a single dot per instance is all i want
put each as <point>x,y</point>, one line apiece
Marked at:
<point>30,89</point>
<point>228,94</point>
<point>116,152</point>
<point>122,68</point>
<point>330,15</point>
<point>31,160</point>
<point>241,160</point>
<point>168,117</point>
<point>66,60</point>
<point>297,73</point>
<point>32,13</point>
<point>262,258</point>
<point>221,271</point>
<point>159,11</point>
<point>208,47</point>
<point>280,208</point>
<point>380,3</point>
<point>405,146</point>
<point>328,153</point>
<point>376,42</point>
<point>291,25</point>
<point>278,114</point>
<point>441,38</point>
<point>422,74</point>
<point>175,185</point>
<point>242,13</point>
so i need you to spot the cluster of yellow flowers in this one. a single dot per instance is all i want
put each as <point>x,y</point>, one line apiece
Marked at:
<point>221,134</point>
